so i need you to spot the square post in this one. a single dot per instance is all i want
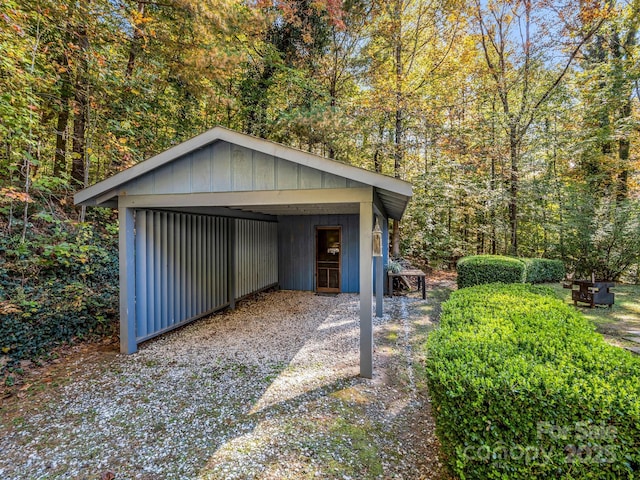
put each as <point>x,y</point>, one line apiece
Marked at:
<point>379,287</point>
<point>379,284</point>
<point>385,246</point>
<point>366,290</point>
<point>126,237</point>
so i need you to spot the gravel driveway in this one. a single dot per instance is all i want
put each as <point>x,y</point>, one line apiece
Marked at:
<point>267,391</point>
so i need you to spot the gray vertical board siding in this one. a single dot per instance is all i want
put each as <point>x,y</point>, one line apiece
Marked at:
<point>163,179</point>
<point>297,243</point>
<point>256,256</point>
<point>286,175</point>
<point>180,267</point>
<point>241,168</point>
<point>201,170</point>
<point>333,181</point>
<point>223,167</point>
<point>264,171</point>
<point>310,177</point>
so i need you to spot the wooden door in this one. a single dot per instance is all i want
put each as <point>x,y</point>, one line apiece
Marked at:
<point>328,259</point>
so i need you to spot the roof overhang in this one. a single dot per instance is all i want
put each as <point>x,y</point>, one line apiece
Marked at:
<point>393,194</point>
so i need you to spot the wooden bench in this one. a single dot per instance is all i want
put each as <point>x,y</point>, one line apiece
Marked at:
<point>419,274</point>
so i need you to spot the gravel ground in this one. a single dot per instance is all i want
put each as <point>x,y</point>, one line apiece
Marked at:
<point>267,391</point>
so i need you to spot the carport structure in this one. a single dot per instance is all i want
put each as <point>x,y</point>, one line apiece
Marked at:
<point>225,214</point>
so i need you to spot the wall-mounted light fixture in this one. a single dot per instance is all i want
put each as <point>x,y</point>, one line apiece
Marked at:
<point>377,240</point>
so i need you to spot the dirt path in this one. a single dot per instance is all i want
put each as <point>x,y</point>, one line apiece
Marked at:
<point>268,391</point>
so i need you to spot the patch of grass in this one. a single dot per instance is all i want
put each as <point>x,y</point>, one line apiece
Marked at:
<point>362,443</point>
<point>351,395</point>
<point>276,369</point>
<point>427,314</point>
<point>623,316</point>
<point>392,336</point>
<point>18,421</point>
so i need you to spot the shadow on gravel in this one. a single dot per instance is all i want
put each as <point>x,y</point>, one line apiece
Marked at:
<point>269,390</point>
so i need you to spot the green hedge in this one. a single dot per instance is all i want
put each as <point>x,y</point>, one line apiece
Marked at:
<point>481,269</point>
<point>523,387</point>
<point>540,270</point>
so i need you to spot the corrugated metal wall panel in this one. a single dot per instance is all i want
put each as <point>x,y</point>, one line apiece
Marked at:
<point>182,263</point>
<point>297,239</point>
<point>181,269</point>
<point>256,258</point>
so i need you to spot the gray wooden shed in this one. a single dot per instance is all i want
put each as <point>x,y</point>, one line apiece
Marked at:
<point>225,214</point>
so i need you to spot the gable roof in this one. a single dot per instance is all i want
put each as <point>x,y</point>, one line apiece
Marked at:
<point>392,192</point>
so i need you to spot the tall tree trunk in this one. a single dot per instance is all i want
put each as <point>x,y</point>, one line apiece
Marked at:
<point>480,222</point>
<point>624,146</point>
<point>135,43</point>
<point>513,190</point>
<point>397,163</point>
<point>399,124</point>
<point>66,93</point>
<point>60,158</point>
<point>493,211</point>
<point>333,93</point>
<point>81,101</point>
<point>377,165</point>
<point>79,131</point>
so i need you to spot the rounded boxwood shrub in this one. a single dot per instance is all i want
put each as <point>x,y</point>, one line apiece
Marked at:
<point>540,270</point>
<point>523,387</point>
<point>481,269</point>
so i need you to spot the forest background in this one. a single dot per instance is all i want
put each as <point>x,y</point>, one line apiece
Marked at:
<point>516,121</point>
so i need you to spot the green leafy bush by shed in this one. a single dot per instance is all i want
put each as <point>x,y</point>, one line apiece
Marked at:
<point>481,269</point>
<point>541,270</point>
<point>59,285</point>
<point>523,387</point>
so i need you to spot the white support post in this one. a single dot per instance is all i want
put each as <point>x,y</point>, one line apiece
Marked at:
<point>379,286</point>
<point>366,290</point>
<point>128,343</point>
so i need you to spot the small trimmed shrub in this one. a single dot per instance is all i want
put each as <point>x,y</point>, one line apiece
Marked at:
<point>481,269</point>
<point>540,270</point>
<point>523,387</point>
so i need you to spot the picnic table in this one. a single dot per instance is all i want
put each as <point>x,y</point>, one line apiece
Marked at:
<point>592,292</point>
<point>419,274</point>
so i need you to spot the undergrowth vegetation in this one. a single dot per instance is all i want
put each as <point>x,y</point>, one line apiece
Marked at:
<point>57,285</point>
<point>524,388</point>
